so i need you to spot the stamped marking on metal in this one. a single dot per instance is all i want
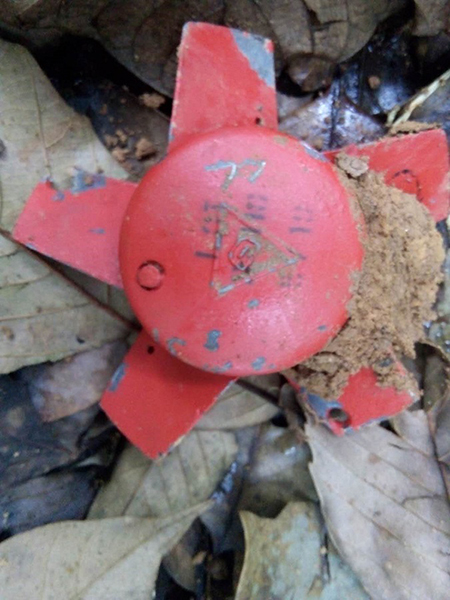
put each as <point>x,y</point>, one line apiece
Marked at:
<point>249,168</point>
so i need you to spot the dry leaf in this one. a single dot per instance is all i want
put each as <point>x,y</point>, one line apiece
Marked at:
<point>64,388</point>
<point>144,36</point>
<point>31,448</point>
<point>189,474</point>
<point>43,137</point>
<point>108,295</point>
<point>57,496</point>
<point>439,330</point>
<point>432,16</point>
<point>285,558</point>
<point>437,384</point>
<point>385,506</point>
<point>236,408</point>
<point>330,121</point>
<point>42,316</point>
<point>278,473</point>
<point>91,560</point>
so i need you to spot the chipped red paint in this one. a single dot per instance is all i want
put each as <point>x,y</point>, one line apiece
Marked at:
<point>80,229</point>
<point>417,163</point>
<point>155,399</point>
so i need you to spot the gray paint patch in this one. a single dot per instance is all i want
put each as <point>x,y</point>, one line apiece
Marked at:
<point>226,367</point>
<point>258,363</point>
<point>171,343</point>
<point>212,341</point>
<point>314,154</point>
<point>253,303</point>
<point>320,406</point>
<point>98,230</point>
<point>83,181</point>
<point>226,289</point>
<point>59,196</point>
<point>253,47</point>
<point>155,334</point>
<point>322,328</point>
<point>119,374</point>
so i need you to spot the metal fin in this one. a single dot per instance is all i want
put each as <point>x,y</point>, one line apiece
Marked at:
<point>80,226</point>
<point>225,78</point>
<point>155,399</point>
<point>415,163</point>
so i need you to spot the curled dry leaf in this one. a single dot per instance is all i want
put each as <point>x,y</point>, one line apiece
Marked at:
<point>44,317</point>
<point>57,496</point>
<point>439,330</point>
<point>31,448</point>
<point>431,17</point>
<point>42,138</point>
<point>64,388</point>
<point>330,121</point>
<point>385,506</point>
<point>285,558</point>
<point>278,473</point>
<point>91,560</point>
<point>310,35</point>
<point>236,408</point>
<point>188,475</point>
<point>436,397</point>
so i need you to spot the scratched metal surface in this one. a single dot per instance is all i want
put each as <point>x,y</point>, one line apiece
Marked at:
<point>240,222</point>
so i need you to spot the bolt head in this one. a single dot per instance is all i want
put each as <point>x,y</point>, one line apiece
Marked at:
<point>150,275</point>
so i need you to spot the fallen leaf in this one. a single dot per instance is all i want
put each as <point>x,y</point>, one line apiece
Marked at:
<point>221,519</point>
<point>145,130</point>
<point>48,471</point>
<point>238,407</point>
<point>385,506</point>
<point>96,560</point>
<point>331,121</point>
<point>431,17</point>
<point>58,496</point>
<point>62,389</point>
<point>439,330</point>
<point>181,563</point>
<point>31,448</point>
<point>285,558</point>
<point>371,79</point>
<point>278,473</point>
<point>189,474</point>
<point>144,37</point>
<point>43,137</point>
<point>42,316</point>
<point>436,396</point>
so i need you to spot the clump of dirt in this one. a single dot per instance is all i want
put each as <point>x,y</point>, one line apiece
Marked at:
<point>395,293</point>
<point>144,149</point>
<point>411,127</point>
<point>152,100</point>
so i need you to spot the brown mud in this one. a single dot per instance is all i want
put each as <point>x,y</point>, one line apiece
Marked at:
<point>395,292</point>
